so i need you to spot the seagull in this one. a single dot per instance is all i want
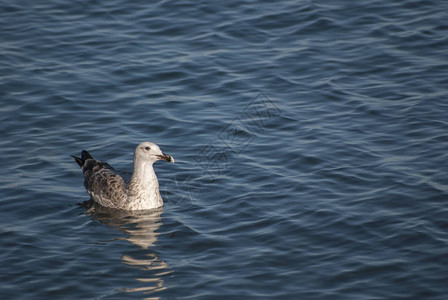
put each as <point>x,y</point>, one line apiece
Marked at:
<point>109,189</point>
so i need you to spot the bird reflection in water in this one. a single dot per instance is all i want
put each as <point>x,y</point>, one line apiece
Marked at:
<point>140,228</point>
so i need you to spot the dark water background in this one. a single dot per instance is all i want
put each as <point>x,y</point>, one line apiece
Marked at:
<point>310,138</point>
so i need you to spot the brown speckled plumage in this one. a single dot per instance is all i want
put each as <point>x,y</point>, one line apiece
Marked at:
<point>108,189</point>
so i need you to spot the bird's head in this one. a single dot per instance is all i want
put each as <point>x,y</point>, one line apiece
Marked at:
<point>151,152</point>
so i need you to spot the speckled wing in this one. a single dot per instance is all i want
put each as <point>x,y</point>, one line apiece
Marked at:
<point>103,184</point>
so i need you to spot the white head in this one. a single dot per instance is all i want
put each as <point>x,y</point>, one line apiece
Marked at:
<point>150,152</point>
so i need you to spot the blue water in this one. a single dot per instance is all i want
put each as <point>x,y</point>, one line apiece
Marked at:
<point>310,139</point>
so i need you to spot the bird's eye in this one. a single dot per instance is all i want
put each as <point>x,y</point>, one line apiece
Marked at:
<point>147,148</point>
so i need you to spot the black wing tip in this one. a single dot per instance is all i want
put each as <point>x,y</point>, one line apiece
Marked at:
<point>84,156</point>
<point>78,160</point>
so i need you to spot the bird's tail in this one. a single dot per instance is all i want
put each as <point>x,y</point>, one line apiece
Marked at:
<point>84,156</point>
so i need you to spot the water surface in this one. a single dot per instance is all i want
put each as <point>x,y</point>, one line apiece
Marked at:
<point>310,140</point>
